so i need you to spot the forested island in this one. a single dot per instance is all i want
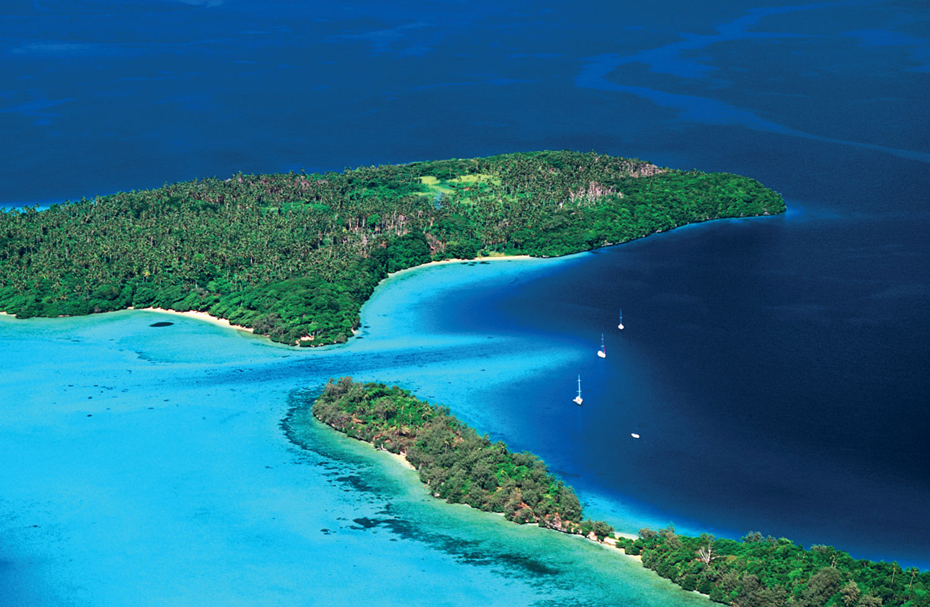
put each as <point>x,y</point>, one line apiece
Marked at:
<point>453,460</point>
<point>294,256</point>
<point>764,572</point>
<point>461,466</point>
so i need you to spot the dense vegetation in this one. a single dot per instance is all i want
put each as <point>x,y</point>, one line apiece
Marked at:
<point>295,255</point>
<point>461,466</point>
<point>457,463</point>
<point>765,572</point>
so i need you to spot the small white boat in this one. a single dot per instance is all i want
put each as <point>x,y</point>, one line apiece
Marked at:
<point>578,400</point>
<point>634,435</point>
<point>603,351</point>
<point>620,326</point>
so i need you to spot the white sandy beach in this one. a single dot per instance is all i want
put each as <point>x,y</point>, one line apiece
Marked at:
<point>401,459</point>
<point>199,315</point>
<point>225,323</point>
<point>612,542</point>
<point>476,259</point>
<point>222,322</point>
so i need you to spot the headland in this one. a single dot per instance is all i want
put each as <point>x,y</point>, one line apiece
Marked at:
<point>294,256</point>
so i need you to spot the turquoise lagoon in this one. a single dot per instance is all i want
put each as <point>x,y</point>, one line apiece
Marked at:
<point>148,465</point>
<point>774,368</point>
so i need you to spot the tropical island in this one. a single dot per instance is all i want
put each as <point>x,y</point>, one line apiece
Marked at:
<point>294,256</point>
<point>457,463</point>
<point>461,466</point>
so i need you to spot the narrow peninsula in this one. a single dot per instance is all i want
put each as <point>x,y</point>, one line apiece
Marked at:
<point>453,460</point>
<point>461,466</point>
<point>294,256</point>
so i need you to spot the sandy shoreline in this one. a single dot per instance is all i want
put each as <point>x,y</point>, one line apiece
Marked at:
<point>222,322</point>
<point>401,459</point>
<point>610,543</point>
<point>476,259</point>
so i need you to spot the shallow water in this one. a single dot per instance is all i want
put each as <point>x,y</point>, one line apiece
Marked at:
<point>774,367</point>
<point>140,473</point>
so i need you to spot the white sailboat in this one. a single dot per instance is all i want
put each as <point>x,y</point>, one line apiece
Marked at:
<point>578,399</point>
<point>620,326</point>
<point>603,351</point>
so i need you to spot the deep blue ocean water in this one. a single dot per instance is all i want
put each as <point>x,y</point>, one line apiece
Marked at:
<point>776,368</point>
